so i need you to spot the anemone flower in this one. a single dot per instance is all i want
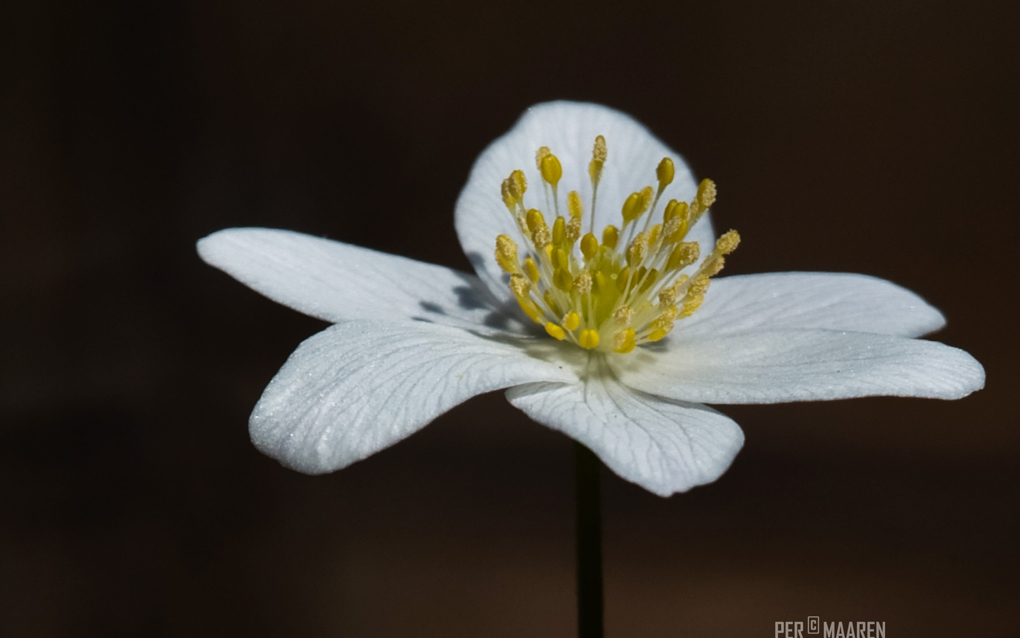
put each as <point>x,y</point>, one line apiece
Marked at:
<point>592,303</point>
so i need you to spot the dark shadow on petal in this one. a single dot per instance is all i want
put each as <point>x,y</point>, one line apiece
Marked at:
<point>428,306</point>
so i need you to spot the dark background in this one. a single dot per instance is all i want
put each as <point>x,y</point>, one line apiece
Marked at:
<point>876,137</point>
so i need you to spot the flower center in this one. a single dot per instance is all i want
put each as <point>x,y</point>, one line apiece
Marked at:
<point>611,295</point>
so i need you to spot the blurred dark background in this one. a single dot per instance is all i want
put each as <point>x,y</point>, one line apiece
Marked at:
<point>875,137</point>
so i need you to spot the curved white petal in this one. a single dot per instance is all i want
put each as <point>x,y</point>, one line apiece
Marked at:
<point>802,300</point>
<point>662,445</point>
<point>335,281</point>
<point>569,130</point>
<point>799,365</point>
<point>360,386</point>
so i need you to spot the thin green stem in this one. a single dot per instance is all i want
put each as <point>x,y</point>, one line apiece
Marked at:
<point>589,543</point>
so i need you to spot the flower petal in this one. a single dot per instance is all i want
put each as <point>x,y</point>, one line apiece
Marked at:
<point>662,445</point>
<point>799,365</point>
<point>569,130</point>
<point>801,300</point>
<point>360,386</point>
<point>335,281</point>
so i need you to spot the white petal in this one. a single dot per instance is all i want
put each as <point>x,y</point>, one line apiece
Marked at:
<point>800,300</point>
<point>335,281</point>
<point>360,386</point>
<point>799,365</point>
<point>662,445</point>
<point>569,130</point>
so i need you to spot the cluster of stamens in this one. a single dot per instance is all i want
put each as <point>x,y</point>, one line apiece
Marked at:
<point>599,296</point>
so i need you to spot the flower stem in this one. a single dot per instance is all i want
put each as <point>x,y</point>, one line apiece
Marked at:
<point>589,542</point>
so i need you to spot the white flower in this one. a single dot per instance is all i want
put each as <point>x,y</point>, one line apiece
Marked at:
<point>411,340</point>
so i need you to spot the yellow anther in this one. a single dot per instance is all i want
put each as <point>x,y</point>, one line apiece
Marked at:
<point>589,246</point>
<point>559,231</point>
<point>648,195</point>
<point>598,159</point>
<point>610,237</point>
<point>551,303</point>
<point>563,279</point>
<point>713,267</point>
<point>560,258</point>
<point>666,319</point>
<point>535,220</point>
<point>506,254</point>
<point>683,255</point>
<point>658,335</point>
<point>637,250</point>
<point>541,238</point>
<point>650,279</point>
<point>548,250</point>
<point>531,269</point>
<point>588,339</point>
<point>520,286</point>
<point>653,234</point>
<point>520,183</point>
<point>555,331</point>
<point>551,169</point>
<point>623,278</point>
<point>574,206</point>
<point>669,296</point>
<point>727,243</point>
<point>676,228</point>
<point>691,304</point>
<point>506,191</point>
<point>623,341</point>
<point>582,283</point>
<point>706,193</point>
<point>572,321</point>
<point>598,284</point>
<point>540,155</point>
<point>573,230</point>
<point>623,315</point>
<point>633,207</point>
<point>600,151</point>
<point>664,172</point>
<point>667,213</point>
<point>699,286</point>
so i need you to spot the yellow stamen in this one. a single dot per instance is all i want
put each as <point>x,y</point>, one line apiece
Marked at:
<point>683,255</point>
<point>559,232</point>
<point>574,206</point>
<point>506,254</point>
<point>624,342</point>
<point>588,339</point>
<point>572,321</point>
<point>657,335</point>
<point>563,279</point>
<point>589,246</point>
<point>706,193</point>
<point>520,286</point>
<point>598,159</point>
<point>633,207</point>
<point>610,237</point>
<point>551,169</point>
<point>555,331</point>
<point>727,243</point>
<point>535,220</point>
<point>664,172</point>
<point>531,269</point>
